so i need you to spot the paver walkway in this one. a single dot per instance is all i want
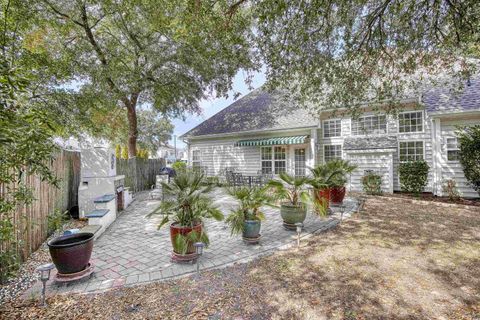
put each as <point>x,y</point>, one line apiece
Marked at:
<point>133,251</point>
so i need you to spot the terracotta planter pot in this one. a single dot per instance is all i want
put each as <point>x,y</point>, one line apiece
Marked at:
<point>292,214</point>
<point>337,194</point>
<point>323,196</point>
<point>71,253</point>
<point>176,229</point>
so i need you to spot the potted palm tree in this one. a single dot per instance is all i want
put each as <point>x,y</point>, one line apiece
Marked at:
<point>337,189</point>
<point>294,196</point>
<point>324,177</point>
<point>246,219</point>
<point>185,208</point>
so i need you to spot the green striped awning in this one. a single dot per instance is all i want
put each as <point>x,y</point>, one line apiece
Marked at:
<point>272,141</point>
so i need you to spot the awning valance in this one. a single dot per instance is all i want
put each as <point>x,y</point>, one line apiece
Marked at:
<point>272,141</point>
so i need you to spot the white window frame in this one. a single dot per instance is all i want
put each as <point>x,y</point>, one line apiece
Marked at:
<point>453,149</point>
<point>197,162</point>
<point>330,145</point>
<point>304,166</point>
<point>332,120</point>
<point>273,160</point>
<point>409,112</point>
<point>406,141</point>
<point>369,116</point>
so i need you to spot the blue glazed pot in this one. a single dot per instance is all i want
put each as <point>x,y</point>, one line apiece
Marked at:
<point>251,228</point>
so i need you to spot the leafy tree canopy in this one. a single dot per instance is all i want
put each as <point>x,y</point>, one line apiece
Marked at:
<point>122,54</point>
<point>338,53</point>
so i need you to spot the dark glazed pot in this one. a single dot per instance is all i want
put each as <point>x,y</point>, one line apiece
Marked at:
<point>176,229</point>
<point>251,228</point>
<point>71,253</point>
<point>337,194</point>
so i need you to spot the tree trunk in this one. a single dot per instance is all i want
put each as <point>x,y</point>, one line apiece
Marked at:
<point>131,105</point>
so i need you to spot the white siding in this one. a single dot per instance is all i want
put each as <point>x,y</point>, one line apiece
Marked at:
<point>217,154</point>
<point>380,162</point>
<point>453,169</point>
<point>392,129</point>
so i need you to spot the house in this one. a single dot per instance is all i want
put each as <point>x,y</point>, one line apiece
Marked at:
<point>263,132</point>
<point>170,153</point>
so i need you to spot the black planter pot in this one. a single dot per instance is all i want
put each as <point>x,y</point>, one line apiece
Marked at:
<point>71,253</point>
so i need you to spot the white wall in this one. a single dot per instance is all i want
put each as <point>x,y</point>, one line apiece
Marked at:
<point>453,169</point>
<point>217,154</point>
<point>392,130</point>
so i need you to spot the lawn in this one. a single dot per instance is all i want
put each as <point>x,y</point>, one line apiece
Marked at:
<point>396,259</point>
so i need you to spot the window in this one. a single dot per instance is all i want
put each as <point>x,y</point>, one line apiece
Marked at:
<point>299,162</point>
<point>452,149</point>
<point>196,162</point>
<point>332,152</point>
<point>274,159</point>
<point>280,155</point>
<point>369,125</point>
<point>266,159</point>
<point>332,128</point>
<point>411,151</point>
<point>410,122</point>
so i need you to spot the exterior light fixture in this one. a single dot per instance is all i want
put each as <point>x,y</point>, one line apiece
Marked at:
<point>342,210</point>
<point>44,271</point>
<point>199,250</point>
<point>299,226</point>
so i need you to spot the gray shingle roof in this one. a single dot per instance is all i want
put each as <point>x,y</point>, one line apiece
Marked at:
<point>364,143</point>
<point>258,110</point>
<point>447,99</point>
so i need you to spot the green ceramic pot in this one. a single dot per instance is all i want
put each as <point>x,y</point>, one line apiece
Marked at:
<point>251,228</point>
<point>293,214</point>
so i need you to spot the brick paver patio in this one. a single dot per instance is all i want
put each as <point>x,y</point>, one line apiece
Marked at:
<point>133,251</point>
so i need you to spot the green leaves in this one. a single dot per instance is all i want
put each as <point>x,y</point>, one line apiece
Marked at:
<point>469,139</point>
<point>187,201</point>
<point>340,54</point>
<point>413,176</point>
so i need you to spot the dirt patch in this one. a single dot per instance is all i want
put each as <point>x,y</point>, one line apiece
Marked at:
<point>395,260</point>
<point>430,197</point>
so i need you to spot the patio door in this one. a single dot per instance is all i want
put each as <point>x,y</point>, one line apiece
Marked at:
<point>299,162</point>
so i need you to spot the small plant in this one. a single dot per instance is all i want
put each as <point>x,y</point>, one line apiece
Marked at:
<point>291,189</point>
<point>9,259</point>
<point>372,183</point>
<point>449,187</point>
<point>251,200</point>
<point>413,176</point>
<point>179,166</point>
<point>56,220</point>
<point>186,207</point>
<point>124,152</point>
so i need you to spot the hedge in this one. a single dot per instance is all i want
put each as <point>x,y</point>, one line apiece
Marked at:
<point>413,176</point>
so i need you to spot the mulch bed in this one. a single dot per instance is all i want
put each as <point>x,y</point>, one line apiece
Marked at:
<point>394,260</point>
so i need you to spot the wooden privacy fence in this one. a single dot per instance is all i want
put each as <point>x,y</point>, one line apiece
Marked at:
<point>30,222</point>
<point>139,173</point>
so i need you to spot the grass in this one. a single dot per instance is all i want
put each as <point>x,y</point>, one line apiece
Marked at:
<point>394,260</point>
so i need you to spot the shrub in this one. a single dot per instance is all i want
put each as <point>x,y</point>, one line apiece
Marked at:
<point>469,155</point>
<point>56,220</point>
<point>413,176</point>
<point>372,183</point>
<point>179,166</point>
<point>450,188</point>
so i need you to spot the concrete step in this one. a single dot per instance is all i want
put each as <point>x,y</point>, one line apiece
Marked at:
<point>95,229</point>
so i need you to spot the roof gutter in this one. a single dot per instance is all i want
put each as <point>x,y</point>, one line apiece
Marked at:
<point>439,114</point>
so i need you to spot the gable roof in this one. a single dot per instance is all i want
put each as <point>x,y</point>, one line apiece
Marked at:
<point>258,110</point>
<point>446,99</point>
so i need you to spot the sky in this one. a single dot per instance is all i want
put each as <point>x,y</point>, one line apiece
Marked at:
<point>213,106</point>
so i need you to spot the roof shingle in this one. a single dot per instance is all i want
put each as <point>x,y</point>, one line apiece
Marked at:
<point>447,99</point>
<point>258,110</point>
